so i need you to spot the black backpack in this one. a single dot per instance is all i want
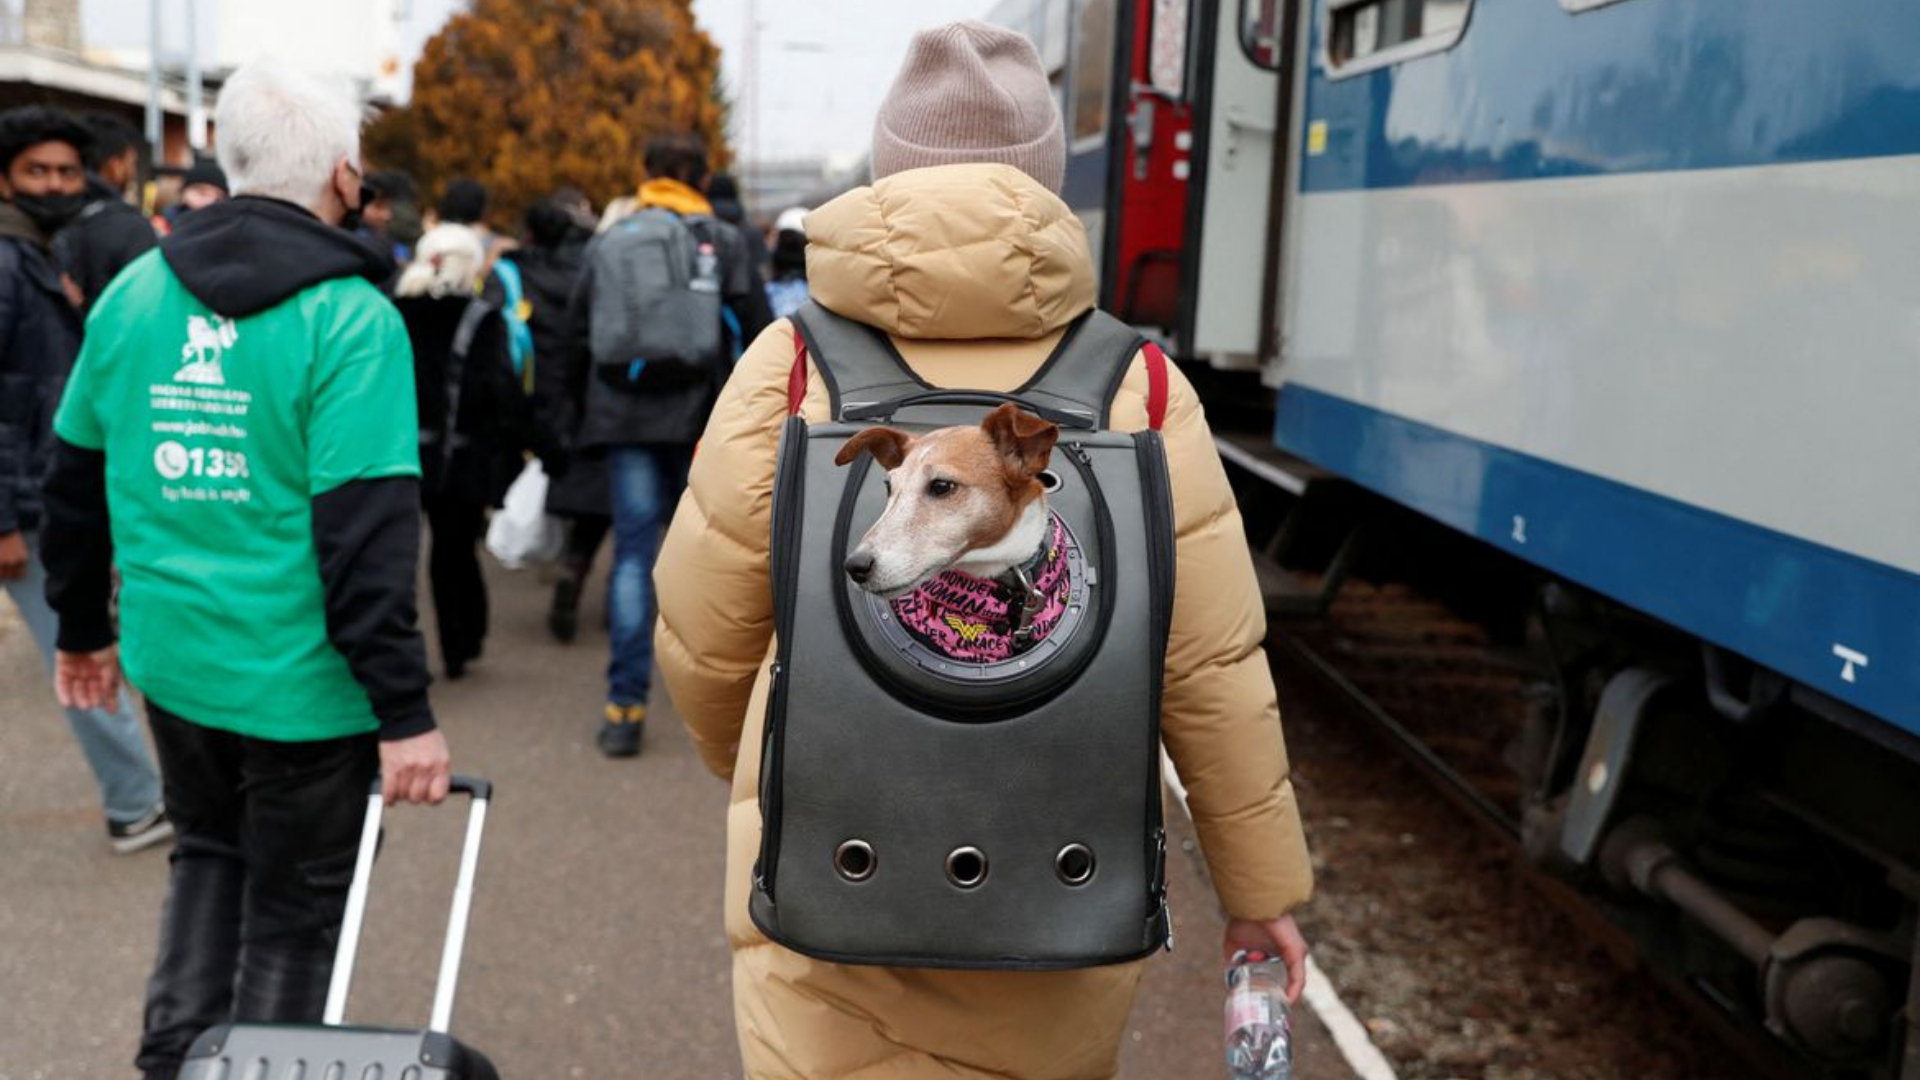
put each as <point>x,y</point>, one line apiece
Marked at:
<point>923,812</point>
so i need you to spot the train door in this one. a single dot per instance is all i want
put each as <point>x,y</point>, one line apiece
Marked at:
<point>1240,152</point>
<point>1150,164</point>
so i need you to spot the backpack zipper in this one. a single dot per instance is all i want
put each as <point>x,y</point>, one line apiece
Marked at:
<point>1162,559</point>
<point>788,506</point>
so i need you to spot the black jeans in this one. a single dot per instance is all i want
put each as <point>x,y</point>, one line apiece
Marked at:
<point>456,522</point>
<point>266,839</point>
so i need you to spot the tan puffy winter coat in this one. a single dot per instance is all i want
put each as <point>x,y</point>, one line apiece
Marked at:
<point>974,270</point>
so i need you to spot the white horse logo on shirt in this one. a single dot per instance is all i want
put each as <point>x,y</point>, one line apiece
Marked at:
<point>208,339</point>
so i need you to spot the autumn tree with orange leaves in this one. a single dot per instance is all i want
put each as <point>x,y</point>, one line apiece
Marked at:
<point>530,95</point>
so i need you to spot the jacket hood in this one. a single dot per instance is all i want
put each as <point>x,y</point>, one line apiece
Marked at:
<point>953,252</point>
<point>674,196</point>
<point>16,225</point>
<point>245,255</point>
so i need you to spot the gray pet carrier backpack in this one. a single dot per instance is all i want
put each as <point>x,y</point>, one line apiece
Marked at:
<point>924,812</point>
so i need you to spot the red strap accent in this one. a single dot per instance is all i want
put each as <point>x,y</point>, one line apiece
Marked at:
<point>797,378</point>
<point>1156,386</point>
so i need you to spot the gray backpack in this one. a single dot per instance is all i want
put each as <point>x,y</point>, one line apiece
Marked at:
<point>656,292</point>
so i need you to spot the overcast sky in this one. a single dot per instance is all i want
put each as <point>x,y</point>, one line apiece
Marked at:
<point>824,64</point>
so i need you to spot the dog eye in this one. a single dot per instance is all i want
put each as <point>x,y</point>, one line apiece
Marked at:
<point>940,489</point>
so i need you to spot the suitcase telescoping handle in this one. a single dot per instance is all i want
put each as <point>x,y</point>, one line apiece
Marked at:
<point>481,792</point>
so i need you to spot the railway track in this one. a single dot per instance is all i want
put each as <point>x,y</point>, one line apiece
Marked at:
<point>1408,672</point>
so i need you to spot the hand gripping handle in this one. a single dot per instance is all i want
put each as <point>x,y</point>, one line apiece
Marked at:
<point>481,793</point>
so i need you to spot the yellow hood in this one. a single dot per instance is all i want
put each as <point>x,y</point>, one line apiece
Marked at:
<point>954,252</point>
<point>673,195</point>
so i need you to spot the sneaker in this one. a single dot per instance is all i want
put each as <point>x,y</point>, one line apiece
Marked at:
<point>149,829</point>
<point>563,618</point>
<point>620,733</point>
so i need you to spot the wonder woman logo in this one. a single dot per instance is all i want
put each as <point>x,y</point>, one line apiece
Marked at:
<point>969,632</point>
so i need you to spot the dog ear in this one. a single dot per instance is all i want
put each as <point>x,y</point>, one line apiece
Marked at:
<point>888,447</point>
<point>1022,438</point>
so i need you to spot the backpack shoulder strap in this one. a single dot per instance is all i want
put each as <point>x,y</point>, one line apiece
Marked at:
<point>1085,371</point>
<point>858,363</point>
<point>1081,377</point>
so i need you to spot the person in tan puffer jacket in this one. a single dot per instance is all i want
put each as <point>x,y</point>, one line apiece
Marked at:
<point>965,256</point>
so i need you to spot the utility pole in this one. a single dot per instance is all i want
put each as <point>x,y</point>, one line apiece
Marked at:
<point>750,79</point>
<point>155,132</point>
<point>196,97</point>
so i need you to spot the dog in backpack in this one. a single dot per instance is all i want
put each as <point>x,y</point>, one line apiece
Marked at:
<point>966,551</point>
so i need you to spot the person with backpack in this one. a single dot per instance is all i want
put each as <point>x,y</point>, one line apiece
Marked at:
<point>649,349</point>
<point>474,422</point>
<point>961,261</point>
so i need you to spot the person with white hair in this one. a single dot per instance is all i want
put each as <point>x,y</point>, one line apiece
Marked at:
<point>474,423</point>
<point>239,438</point>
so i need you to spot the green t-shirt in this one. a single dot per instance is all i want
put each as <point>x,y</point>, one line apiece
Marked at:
<point>218,435</point>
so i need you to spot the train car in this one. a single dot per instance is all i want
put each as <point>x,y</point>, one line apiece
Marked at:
<point>1623,295</point>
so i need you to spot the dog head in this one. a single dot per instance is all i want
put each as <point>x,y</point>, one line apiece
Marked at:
<point>959,498</point>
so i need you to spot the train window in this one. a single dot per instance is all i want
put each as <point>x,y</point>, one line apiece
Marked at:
<point>1260,32</point>
<point>1365,34</point>
<point>1092,69</point>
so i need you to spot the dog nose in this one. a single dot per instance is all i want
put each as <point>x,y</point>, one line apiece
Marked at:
<point>859,566</point>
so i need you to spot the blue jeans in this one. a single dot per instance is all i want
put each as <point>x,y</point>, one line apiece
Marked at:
<point>647,482</point>
<point>112,741</point>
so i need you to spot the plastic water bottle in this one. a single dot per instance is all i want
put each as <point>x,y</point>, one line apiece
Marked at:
<point>706,270</point>
<point>1259,1033</point>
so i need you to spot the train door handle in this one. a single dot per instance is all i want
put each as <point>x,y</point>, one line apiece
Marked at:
<point>1240,121</point>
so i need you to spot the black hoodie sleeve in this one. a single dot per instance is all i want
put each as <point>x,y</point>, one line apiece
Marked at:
<point>367,534</point>
<point>76,547</point>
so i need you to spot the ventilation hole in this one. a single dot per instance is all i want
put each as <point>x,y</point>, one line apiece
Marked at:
<point>854,860</point>
<point>1074,864</point>
<point>967,867</point>
<point>1049,481</point>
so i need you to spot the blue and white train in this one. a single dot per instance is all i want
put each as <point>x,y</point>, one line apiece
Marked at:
<point>1628,292</point>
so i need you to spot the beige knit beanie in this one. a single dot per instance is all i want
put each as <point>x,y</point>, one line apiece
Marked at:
<point>971,93</point>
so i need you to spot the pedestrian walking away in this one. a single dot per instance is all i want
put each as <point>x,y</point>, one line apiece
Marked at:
<point>787,284</point>
<point>647,355</point>
<point>558,229</point>
<point>963,257</point>
<point>41,192</point>
<point>239,437</point>
<point>474,424</point>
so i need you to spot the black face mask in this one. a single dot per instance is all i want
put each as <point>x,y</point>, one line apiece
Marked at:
<point>51,212</point>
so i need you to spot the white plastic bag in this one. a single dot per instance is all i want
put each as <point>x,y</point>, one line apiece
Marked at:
<point>522,533</point>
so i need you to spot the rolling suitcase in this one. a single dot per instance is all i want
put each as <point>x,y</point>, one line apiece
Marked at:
<point>334,1050</point>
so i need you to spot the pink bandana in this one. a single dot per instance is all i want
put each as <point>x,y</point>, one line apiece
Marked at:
<point>972,619</point>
